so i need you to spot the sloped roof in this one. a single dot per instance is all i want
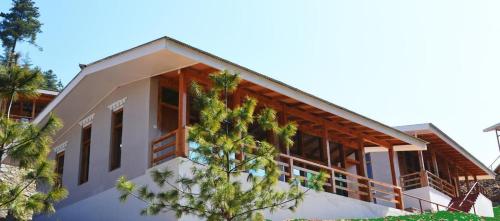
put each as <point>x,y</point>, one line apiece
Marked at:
<point>448,147</point>
<point>167,54</point>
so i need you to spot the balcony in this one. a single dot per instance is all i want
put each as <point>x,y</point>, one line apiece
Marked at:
<point>339,181</point>
<point>426,178</point>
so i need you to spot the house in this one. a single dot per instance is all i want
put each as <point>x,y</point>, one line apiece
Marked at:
<point>434,175</point>
<point>26,109</point>
<point>127,114</point>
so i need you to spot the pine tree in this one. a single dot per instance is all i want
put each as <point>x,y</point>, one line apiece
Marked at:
<point>18,82</point>
<point>28,146</point>
<point>52,83</point>
<point>20,24</point>
<point>215,189</point>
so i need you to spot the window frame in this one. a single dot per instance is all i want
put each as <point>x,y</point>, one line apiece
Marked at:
<point>84,165</point>
<point>115,152</point>
<point>59,168</point>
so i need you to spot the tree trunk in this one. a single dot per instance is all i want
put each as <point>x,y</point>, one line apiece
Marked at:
<point>11,100</point>
<point>10,59</point>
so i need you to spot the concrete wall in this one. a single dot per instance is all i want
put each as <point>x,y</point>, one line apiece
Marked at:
<point>105,206</point>
<point>429,194</point>
<point>136,138</point>
<point>381,167</point>
<point>483,206</point>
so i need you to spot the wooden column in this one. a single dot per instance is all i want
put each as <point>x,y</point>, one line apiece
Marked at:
<point>467,182</point>
<point>235,102</point>
<point>448,172</point>
<point>475,178</point>
<point>283,118</point>
<point>393,168</point>
<point>342,156</point>
<point>182,149</point>
<point>434,163</point>
<point>33,107</point>
<point>457,180</point>
<point>326,147</point>
<point>397,191</point>
<point>360,169</point>
<point>424,180</point>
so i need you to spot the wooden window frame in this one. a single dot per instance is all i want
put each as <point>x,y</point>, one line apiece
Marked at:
<point>59,168</point>
<point>83,173</point>
<point>115,150</point>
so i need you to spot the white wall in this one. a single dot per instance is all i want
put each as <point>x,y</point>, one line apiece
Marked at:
<point>429,194</point>
<point>136,139</point>
<point>321,205</point>
<point>483,206</point>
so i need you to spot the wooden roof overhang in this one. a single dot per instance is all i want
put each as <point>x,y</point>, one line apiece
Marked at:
<point>310,119</point>
<point>448,149</point>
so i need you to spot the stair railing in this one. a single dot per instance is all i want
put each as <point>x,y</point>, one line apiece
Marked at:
<point>476,184</point>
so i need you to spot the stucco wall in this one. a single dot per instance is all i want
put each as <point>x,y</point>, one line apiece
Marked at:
<point>483,206</point>
<point>320,205</point>
<point>136,137</point>
<point>429,194</point>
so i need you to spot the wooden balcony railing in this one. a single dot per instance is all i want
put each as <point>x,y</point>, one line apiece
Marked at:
<point>341,182</point>
<point>163,148</point>
<point>426,178</point>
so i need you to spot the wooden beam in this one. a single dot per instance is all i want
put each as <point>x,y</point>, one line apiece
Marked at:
<point>317,120</point>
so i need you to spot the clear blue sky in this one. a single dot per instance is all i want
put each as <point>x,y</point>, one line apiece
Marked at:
<point>398,62</point>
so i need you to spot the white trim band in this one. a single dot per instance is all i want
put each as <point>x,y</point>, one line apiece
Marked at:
<point>61,147</point>
<point>87,121</point>
<point>117,104</point>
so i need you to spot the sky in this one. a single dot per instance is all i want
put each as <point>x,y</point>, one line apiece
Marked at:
<point>398,62</point>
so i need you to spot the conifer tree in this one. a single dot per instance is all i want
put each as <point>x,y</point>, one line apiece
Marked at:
<point>27,146</point>
<point>222,185</point>
<point>20,24</point>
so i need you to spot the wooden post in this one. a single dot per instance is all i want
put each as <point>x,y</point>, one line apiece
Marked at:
<point>283,119</point>
<point>182,150</point>
<point>342,156</point>
<point>33,107</point>
<point>397,191</point>
<point>424,181</point>
<point>467,182</point>
<point>326,147</point>
<point>434,163</point>
<point>475,178</point>
<point>393,169</point>
<point>360,169</point>
<point>457,180</point>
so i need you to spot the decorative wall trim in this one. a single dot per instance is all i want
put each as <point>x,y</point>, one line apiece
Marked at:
<point>117,104</point>
<point>87,121</point>
<point>61,147</point>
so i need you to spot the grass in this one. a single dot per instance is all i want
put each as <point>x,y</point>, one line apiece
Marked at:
<point>440,216</point>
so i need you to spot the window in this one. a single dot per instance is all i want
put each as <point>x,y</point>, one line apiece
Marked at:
<point>116,140</point>
<point>168,118</point>
<point>59,167</point>
<point>85,155</point>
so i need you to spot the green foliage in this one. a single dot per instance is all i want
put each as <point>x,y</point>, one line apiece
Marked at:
<point>19,24</point>
<point>29,146</point>
<point>51,82</point>
<point>222,184</point>
<point>441,216</point>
